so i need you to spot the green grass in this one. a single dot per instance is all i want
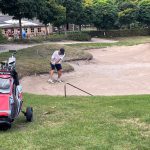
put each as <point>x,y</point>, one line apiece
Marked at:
<point>127,41</point>
<point>37,59</point>
<point>79,123</point>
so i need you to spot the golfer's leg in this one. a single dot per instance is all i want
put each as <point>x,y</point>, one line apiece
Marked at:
<point>50,80</point>
<point>51,73</point>
<point>59,69</point>
<point>59,73</point>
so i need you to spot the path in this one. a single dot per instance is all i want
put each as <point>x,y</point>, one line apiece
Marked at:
<point>121,70</point>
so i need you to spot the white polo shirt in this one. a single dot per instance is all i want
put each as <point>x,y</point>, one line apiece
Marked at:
<point>56,57</point>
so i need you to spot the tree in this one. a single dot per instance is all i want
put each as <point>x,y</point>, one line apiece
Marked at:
<point>51,12</point>
<point>119,2</point>
<point>60,17</point>
<point>19,9</point>
<point>127,13</point>
<point>45,12</point>
<point>144,12</point>
<point>73,10</point>
<point>88,11</point>
<point>81,15</point>
<point>88,14</point>
<point>88,2</point>
<point>105,14</point>
<point>85,16</point>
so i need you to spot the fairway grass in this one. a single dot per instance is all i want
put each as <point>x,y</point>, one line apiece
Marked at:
<point>82,123</point>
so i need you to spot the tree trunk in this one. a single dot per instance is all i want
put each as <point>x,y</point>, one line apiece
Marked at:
<point>65,30</point>
<point>128,26</point>
<point>20,26</point>
<point>59,30</point>
<point>80,28</point>
<point>67,26</point>
<point>149,29</point>
<point>46,30</point>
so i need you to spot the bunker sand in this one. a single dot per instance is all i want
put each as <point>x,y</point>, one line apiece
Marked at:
<point>121,70</point>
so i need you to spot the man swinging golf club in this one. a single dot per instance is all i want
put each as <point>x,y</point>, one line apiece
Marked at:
<point>55,63</point>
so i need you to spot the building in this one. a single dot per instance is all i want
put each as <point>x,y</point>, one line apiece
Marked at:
<point>10,27</point>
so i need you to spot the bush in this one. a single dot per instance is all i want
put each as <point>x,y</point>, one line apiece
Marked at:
<point>119,33</point>
<point>26,41</point>
<point>78,36</point>
<point>40,39</point>
<point>2,38</point>
<point>75,36</point>
<point>55,37</point>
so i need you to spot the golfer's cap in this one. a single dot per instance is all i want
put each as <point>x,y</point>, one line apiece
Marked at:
<point>62,51</point>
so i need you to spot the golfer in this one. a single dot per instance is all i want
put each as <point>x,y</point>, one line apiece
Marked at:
<point>55,63</point>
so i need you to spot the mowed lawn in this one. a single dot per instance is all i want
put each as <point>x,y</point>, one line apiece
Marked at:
<point>82,123</point>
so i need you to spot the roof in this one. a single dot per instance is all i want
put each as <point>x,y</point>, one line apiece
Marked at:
<point>7,21</point>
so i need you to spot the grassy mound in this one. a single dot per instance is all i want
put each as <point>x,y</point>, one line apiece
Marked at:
<point>91,123</point>
<point>36,60</point>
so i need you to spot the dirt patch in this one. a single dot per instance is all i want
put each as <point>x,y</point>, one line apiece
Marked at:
<point>121,70</point>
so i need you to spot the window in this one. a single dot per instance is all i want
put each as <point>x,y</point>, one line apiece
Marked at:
<point>26,30</point>
<point>39,29</point>
<point>4,85</point>
<point>32,30</point>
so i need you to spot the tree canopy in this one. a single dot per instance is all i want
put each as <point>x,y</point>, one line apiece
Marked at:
<point>144,12</point>
<point>104,14</point>
<point>19,9</point>
<point>127,13</point>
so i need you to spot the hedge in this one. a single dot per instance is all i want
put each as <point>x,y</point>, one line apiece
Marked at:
<point>76,36</point>
<point>2,38</point>
<point>119,33</point>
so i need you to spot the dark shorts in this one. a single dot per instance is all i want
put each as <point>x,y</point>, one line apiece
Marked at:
<point>56,66</point>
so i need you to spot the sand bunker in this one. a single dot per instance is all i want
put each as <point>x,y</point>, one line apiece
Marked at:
<point>121,70</point>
